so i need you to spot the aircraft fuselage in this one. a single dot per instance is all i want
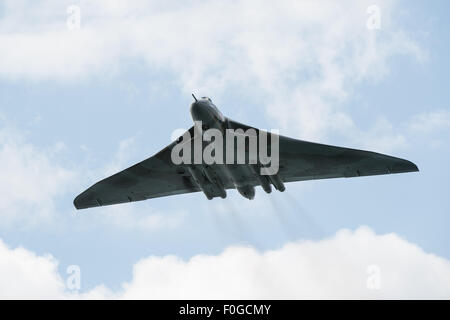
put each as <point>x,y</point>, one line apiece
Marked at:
<point>204,111</point>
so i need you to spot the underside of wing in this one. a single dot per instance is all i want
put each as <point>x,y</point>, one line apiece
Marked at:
<point>302,160</point>
<point>155,177</point>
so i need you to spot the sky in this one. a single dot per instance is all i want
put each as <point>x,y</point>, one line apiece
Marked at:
<point>88,88</point>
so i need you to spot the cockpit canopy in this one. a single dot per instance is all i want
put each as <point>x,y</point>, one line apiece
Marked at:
<point>207,98</point>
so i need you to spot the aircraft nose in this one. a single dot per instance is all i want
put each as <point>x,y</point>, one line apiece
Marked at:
<point>199,111</point>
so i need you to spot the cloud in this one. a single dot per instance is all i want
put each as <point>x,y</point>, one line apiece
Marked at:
<point>122,158</point>
<point>332,268</point>
<point>34,178</point>
<point>133,217</point>
<point>351,264</point>
<point>383,136</point>
<point>30,180</point>
<point>139,218</point>
<point>299,60</point>
<point>430,122</point>
<point>24,274</point>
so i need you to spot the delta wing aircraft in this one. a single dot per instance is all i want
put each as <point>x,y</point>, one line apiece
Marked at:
<point>249,157</point>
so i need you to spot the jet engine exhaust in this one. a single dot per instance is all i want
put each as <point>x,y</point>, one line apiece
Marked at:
<point>200,181</point>
<point>263,180</point>
<point>215,181</point>
<point>247,191</point>
<point>276,181</point>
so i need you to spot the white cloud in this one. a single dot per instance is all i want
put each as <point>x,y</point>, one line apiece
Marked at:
<point>430,122</point>
<point>24,274</point>
<point>381,137</point>
<point>143,219</point>
<point>33,178</point>
<point>130,216</point>
<point>30,180</point>
<point>122,157</point>
<point>331,268</point>
<point>303,58</point>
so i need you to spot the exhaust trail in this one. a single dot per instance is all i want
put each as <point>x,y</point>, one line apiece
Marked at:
<point>242,233</point>
<point>226,221</point>
<point>217,220</point>
<point>303,216</point>
<point>294,219</point>
<point>283,219</point>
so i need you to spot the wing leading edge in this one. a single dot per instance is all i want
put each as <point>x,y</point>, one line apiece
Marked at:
<point>303,160</point>
<point>152,178</point>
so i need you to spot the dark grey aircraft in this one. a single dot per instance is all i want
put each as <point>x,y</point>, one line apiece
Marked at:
<point>159,176</point>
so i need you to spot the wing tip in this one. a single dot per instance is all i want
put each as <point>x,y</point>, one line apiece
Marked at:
<point>406,166</point>
<point>85,201</point>
<point>412,167</point>
<point>75,204</point>
<point>78,204</point>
